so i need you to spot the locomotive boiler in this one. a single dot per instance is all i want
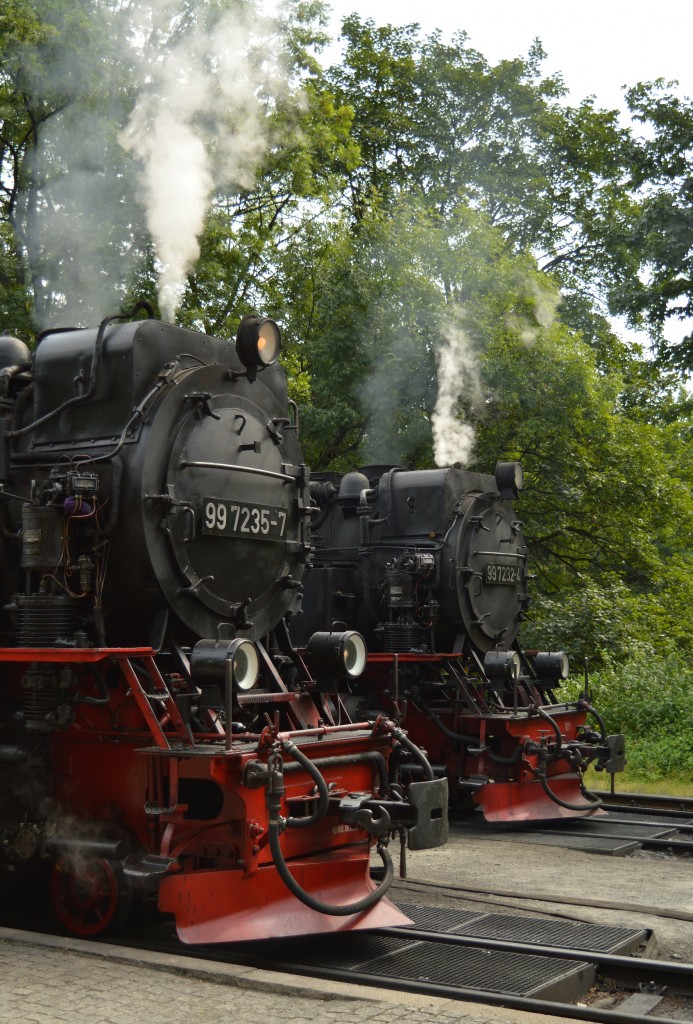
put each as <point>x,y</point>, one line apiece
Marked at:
<point>160,736</point>
<point>430,566</point>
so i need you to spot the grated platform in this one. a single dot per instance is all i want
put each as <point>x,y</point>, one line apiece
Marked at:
<point>394,958</point>
<point>613,834</point>
<point>573,934</point>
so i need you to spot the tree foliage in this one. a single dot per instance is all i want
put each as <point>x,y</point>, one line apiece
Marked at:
<point>660,230</point>
<point>416,208</point>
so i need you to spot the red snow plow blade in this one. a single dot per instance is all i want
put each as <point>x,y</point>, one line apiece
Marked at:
<point>528,801</point>
<point>227,906</point>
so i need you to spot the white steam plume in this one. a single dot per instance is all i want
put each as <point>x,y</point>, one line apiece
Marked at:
<point>458,380</point>
<point>199,122</point>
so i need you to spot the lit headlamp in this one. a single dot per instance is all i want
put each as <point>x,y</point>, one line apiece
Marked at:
<point>258,342</point>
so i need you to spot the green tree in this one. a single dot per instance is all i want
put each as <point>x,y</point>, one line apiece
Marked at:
<point>660,230</point>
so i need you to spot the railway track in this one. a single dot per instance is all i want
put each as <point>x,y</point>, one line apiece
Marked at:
<point>663,824</point>
<point>521,974</point>
<point>640,802</point>
<point>539,964</point>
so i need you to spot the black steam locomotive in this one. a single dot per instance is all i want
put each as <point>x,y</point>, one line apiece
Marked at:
<point>430,566</point>
<point>159,734</point>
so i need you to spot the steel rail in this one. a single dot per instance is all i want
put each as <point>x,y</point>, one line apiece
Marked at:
<point>633,802</point>
<point>466,892</point>
<point>527,1003</point>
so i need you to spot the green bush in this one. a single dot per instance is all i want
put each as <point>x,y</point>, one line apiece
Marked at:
<point>650,700</point>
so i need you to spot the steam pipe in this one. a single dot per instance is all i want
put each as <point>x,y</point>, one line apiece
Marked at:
<point>10,754</point>
<point>109,849</point>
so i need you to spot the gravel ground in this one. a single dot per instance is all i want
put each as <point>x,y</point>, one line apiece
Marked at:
<point>644,888</point>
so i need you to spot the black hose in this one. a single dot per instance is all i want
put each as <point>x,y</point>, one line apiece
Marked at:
<point>461,737</point>
<point>586,706</point>
<point>416,751</point>
<point>507,759</point>
<point>467,738</point>
<point>331,909</point>
<point>554,725</point>
<point>541,775</point>
<point>102,687</point>
<point>364,757</point>
<point>275,792</point>
<point>323,793</point>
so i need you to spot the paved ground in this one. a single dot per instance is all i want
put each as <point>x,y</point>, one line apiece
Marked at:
<point>45,979</point>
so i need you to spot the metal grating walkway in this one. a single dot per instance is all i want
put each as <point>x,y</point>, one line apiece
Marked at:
<point>470,967</point>
<point>594,938</point>
<point>612,833</point>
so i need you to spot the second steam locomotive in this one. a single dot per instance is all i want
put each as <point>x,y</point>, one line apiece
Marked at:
<point>431,567</point>
<point>160,736</point>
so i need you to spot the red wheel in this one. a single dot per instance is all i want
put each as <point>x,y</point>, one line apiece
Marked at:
<point>89,895</point>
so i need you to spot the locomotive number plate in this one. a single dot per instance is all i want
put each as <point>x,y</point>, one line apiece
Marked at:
<point>495,573</point>
<point>243,519</point>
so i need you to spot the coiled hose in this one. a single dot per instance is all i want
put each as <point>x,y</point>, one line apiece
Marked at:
<point>274,796</point>
<point>540,772</point>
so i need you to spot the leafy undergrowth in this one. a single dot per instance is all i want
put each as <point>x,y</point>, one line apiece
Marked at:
<point>650,700</point>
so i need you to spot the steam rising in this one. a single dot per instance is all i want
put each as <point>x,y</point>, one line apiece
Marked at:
<point>199,122</point>
<point>458,379</point>
<point>168,102</point>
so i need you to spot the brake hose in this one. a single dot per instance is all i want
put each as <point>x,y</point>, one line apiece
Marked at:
<point>584,705</point>
<point>400,735</point>
<point>323,793</point>
<point>275,790</point>
<point>467,738</point>
<point>554,725</point>
<point>541,775</point>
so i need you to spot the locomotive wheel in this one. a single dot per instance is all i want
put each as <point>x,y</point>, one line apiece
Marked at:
<point>90,896</point>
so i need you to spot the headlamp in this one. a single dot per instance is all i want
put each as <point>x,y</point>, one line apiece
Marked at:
<point>258,342</point>
<point>552,665</point>
<point>502,665</point>
<point>341,654</point>
<point>509,479</point>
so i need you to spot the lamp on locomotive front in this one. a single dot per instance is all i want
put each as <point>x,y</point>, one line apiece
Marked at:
<point>343,654</point>
<point>502,666</point>
<point>258,343</point>
<point>242,664</point>
<point>552,667</point>
<point>509,479</point>
<point>228,663</point>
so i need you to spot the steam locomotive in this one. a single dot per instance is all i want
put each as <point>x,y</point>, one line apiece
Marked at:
<point>430,566</point>
<point>161,738</point>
